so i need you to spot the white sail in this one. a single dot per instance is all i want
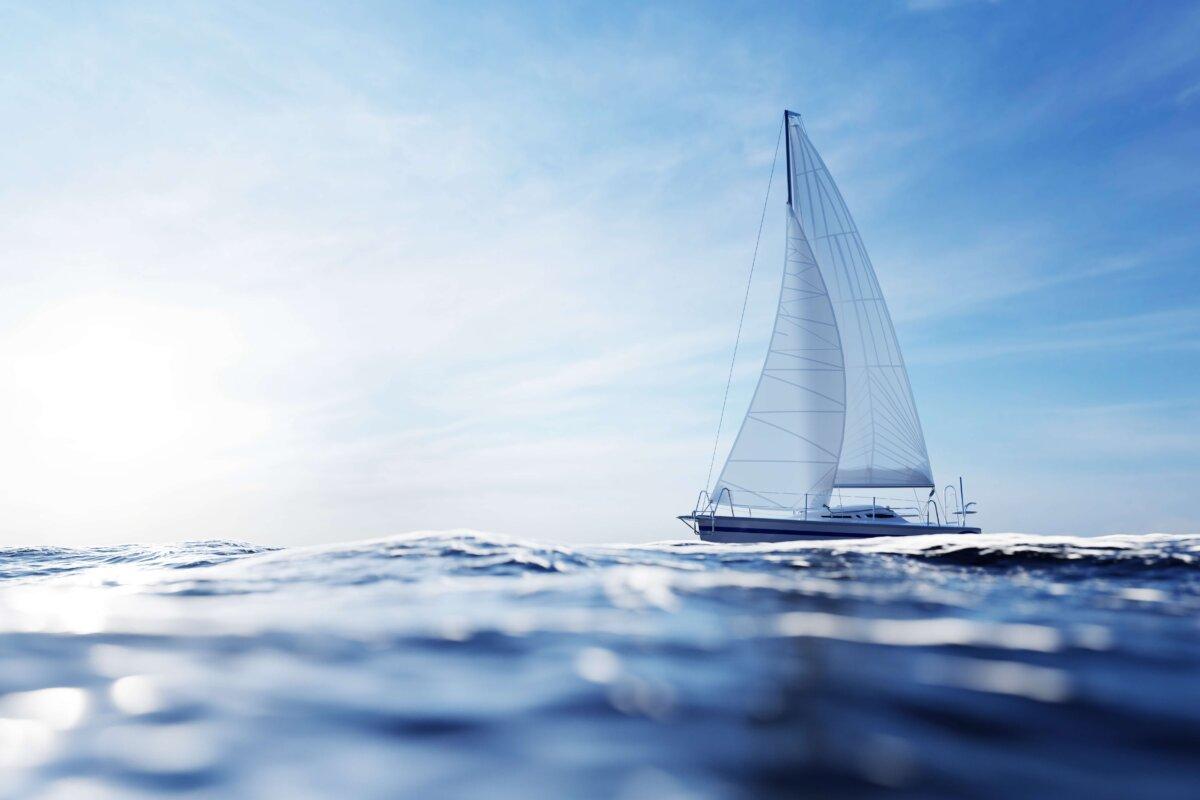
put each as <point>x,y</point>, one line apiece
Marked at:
<point>786,453</point>
<point>883,444</point>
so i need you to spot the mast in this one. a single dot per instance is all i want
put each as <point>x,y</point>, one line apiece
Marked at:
<point>787,143</point>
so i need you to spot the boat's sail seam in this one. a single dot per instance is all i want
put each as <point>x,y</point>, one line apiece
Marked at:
<point>883,444</point>
<point>786,453</point>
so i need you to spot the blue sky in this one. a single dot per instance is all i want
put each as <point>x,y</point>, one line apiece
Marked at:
<point>306,272</point>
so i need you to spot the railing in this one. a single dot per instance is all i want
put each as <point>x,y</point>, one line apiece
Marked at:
<point>704,503</point>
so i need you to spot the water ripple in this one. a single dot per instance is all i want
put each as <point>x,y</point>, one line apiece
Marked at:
<point>472,665</point>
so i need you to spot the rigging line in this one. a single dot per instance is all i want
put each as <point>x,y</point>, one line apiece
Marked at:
<point>745,299</point>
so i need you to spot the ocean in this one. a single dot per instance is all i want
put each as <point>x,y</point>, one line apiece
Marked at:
<point>460,664</point>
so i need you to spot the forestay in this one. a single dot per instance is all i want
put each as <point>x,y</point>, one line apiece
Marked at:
<point>883,445</point>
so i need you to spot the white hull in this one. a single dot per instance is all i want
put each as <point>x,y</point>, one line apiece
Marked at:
<point>741,530</point>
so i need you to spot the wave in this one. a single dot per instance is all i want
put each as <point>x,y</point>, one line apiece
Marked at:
<point>624,575</point>
<point>1009,549</point>
<point>227,667</point>
<point>416,556</point>
<point>23,563</point>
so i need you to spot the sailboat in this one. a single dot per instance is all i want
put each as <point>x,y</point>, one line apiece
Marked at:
<point>833,409</point>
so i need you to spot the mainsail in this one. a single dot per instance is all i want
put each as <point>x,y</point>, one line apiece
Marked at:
<point>833,406</point>
<point>883,444</point>
<point>785,455</point>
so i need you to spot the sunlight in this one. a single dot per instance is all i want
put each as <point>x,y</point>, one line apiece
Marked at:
<point>60,707</point>
<point>104,380</point>
<point>110,398</point>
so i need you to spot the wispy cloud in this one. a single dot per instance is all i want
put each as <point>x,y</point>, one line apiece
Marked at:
<point>923,6</point>
<point>1159,50</point>
<point>1009,262</point>
<point>1109,436</point>
<point>1188,94</point>
<point>1165,330</point>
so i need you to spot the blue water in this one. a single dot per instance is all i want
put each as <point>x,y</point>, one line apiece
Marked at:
<point>468,665</point>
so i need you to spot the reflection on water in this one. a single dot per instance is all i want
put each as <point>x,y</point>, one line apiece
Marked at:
<point>465,665</point>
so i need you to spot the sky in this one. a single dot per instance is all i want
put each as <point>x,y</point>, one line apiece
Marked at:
<point>309,272</point>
